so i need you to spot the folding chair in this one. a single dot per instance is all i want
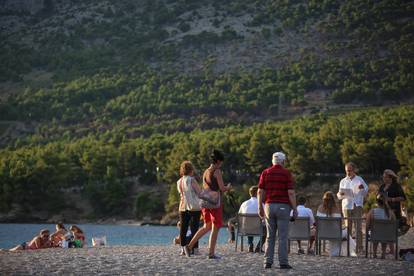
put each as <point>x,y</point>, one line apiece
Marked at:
<point>328,228</point>
<point>299,230</point>
<point>248,225</point>
<point>382,230</point>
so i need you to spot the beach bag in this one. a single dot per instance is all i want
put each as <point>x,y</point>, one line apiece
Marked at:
<point>75,244</point>
<point>209,199</point>
<point>99,241</point>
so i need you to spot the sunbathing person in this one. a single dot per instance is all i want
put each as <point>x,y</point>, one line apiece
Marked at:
<point>78,236</point>
<point>59,236</point>
<point>38,242</point>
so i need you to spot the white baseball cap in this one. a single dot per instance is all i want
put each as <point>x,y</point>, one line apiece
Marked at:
<point>278,157</point>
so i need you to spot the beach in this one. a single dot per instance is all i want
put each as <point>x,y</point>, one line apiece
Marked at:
<point>165,260</point>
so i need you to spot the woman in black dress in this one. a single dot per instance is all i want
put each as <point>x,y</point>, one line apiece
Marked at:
<point>392,192</point>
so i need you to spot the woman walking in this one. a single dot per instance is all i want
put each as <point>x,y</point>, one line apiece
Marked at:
<point>189,208</point>
<point>213,217</point>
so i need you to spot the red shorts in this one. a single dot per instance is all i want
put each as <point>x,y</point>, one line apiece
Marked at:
<point>214,216</point>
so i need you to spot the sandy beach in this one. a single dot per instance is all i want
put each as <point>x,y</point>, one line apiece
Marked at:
<point>165,260</point>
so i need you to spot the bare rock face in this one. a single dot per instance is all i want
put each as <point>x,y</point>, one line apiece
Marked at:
<point>25,6</point>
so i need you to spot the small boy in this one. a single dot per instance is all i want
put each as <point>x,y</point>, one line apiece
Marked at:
<point>306,212</point>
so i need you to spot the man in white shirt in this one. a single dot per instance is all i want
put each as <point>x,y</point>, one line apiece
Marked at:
<point>306,212</point>
<point>251,207</point>
<point>352,190</point>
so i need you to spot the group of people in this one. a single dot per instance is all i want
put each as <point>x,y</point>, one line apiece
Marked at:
<point>190,209</point>
<point>274,200</point>
<point>74,237</point>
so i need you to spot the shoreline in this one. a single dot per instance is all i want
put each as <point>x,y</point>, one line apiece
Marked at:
<point>166,260</point>
<point>97,222</point>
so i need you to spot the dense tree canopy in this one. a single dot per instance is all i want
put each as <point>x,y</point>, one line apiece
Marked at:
<point>105,168</point>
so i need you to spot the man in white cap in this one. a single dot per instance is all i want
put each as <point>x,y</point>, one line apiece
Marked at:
<point>352,190</point>
<point>276,190</point>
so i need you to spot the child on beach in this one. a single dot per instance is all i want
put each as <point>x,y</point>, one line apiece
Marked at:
<point>78,237</point>
<point>303,211</point>
<point>38,242</point>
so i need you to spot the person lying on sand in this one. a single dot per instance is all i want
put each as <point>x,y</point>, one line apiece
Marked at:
<point>38,242</point>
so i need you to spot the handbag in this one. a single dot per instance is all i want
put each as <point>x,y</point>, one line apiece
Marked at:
<point>209,199</point>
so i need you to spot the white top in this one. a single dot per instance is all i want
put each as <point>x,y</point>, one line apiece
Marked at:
<point>379,213</point>
<point>357,196</point>
<point>250,206</point>
<point>324,215</point>
<point>305,212</point>
<point>189,200</point>
<point>335,246</point>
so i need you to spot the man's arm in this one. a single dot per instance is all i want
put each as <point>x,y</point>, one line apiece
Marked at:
<point>260,197</point>
<point>360,188</point>
<point>340,195</point>
<point>292,200</point>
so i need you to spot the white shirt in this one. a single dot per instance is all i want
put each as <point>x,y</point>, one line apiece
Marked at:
<point>306,212</point>
<point>358,195</point>
<point>249,206</point>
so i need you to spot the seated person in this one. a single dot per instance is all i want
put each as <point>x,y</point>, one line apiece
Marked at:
<point>251,207</point>
<point>306,212</point>
<point>328,208</point>
<point>78,237</point>
<point>59,236</point>
<point>38,242</point>
<point>382,211</point>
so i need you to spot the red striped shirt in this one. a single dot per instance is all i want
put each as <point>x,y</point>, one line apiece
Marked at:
<point>276,181</point>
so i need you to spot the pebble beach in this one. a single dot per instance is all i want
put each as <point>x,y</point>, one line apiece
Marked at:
<point>165,260</point>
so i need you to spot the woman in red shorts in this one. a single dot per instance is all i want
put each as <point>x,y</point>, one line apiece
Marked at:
<point>213,218</point>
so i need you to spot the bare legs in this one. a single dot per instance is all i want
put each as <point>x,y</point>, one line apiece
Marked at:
<point>17,247</point>
<point>213,240</point>
<point>383,248</point>
<point>200,233</point>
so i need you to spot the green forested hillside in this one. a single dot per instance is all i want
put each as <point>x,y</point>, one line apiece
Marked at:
<point>96,95</point>
<point>107,169</point>
<point>150,64</point>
